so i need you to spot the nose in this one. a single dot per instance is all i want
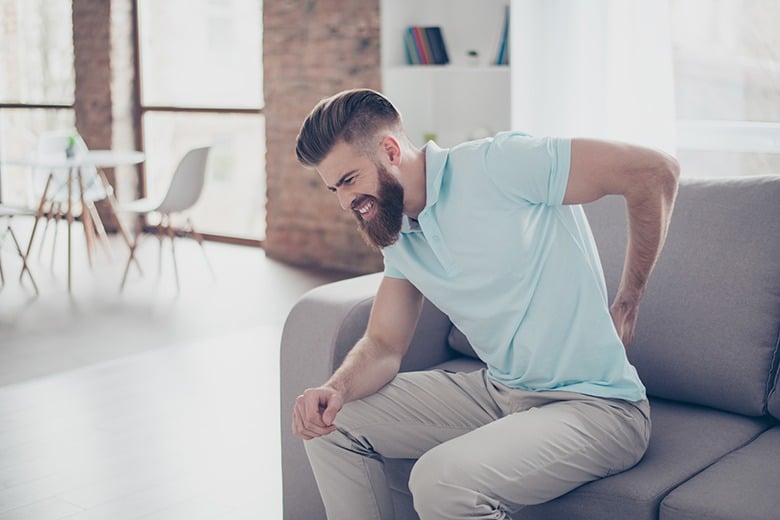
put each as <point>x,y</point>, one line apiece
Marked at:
<point>346,198</point>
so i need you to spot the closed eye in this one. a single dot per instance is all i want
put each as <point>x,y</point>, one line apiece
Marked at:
<point>347,178</point>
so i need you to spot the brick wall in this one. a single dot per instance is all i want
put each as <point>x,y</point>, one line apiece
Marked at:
<point>92,53</point>
<point>124,100</point>
<point>313,49</point>
<point>104,94</point>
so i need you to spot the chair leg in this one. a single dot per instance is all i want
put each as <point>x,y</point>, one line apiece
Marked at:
<point>38,215</point>
<point>89,234</point>
<point>101,230</point>
<point>86,220</point>
<point>2,239</point>
<point>160,235</point>
<point>57,218</point>
<point>25,267</point>
<point>112,203</point>
<point>133,244</point>
<point>139,223</point>
<point>49,216</point>
<point>172,236</point>
<point>199,239</point>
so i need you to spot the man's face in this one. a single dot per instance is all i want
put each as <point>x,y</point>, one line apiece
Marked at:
<point>374,195</point>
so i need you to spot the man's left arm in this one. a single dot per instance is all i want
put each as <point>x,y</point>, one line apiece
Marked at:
<point>648,180</point>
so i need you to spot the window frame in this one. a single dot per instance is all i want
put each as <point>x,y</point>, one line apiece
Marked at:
<point>144,108</point>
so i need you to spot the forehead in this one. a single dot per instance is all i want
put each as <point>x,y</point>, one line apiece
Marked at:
<point>342,159</point>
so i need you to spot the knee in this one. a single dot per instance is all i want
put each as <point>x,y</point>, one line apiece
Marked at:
<point>323,450</point>
<point>451,485</point>
<point>349,421</point>
<point>424,481</point>
<point>434,485</point>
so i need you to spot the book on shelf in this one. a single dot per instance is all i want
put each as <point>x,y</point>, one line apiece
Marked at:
<point>425,46</point>
<point>412,55</point>
<point>502,56</point>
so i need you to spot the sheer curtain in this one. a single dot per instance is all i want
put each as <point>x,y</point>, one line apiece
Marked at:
<point>594,68</point>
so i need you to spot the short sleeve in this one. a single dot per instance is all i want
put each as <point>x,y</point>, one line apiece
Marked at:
<point>530,169</point>
<point>391,271</point>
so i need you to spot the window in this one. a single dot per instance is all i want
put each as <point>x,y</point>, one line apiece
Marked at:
<point>201,72</point>
<point>37,83</point>
<point>727,86</point>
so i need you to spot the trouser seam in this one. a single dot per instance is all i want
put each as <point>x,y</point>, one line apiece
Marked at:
<point>367,473</point>
<point>356,430</point>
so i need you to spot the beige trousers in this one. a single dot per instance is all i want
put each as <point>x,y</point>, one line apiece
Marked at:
<point>485,450</point>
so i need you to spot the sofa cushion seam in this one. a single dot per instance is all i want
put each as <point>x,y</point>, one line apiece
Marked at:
<point>772,378</point>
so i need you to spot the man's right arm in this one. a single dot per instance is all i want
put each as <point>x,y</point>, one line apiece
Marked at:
<point>372,363</point>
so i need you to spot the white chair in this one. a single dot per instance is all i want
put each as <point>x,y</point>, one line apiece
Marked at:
<point>183,192</point>
<point>85,189</point>
<point>8,213</point>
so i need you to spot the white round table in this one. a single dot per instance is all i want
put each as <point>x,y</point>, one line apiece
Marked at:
<point>92,158</point>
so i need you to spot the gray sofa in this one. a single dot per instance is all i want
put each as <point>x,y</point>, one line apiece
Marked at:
<point>706,347</point>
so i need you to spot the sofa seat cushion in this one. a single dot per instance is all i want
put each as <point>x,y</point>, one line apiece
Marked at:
<point>741,485</point>
<point>685,440</point>
<point>460,364</point>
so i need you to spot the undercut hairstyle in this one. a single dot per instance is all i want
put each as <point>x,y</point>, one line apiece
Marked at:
<point>355,116</point>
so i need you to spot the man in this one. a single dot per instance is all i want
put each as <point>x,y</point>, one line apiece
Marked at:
<point>492,233</point>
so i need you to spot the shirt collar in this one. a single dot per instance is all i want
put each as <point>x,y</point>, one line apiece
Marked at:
<point>435,159</point>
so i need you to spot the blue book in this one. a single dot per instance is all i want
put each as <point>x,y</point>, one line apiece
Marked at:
<point>436,43</point>
<point>503,49</point>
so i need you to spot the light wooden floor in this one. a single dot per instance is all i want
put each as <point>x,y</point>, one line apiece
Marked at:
<point>147,404</point>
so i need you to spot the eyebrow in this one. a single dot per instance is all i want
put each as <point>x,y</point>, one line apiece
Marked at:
<point>342,179</point>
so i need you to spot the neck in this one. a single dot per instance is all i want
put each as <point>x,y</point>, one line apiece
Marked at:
<point>414,182</point>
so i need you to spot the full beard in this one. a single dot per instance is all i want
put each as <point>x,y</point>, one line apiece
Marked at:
<point>383,230</point>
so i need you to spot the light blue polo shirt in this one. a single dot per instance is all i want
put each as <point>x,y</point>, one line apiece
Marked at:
<point>515,270</point>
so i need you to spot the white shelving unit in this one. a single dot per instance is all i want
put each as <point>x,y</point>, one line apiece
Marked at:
<point>455,102</point>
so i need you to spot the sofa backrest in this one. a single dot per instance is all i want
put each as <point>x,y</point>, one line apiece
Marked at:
<point>709,321</point>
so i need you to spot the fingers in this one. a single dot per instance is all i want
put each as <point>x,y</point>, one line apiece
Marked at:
<point>301,431</point>
<point>329,413</point>
<point>628,335</point>
<point>624,319</point>
<point>308,421</point>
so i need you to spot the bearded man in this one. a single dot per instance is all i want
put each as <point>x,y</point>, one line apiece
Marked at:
<point>493,234</point>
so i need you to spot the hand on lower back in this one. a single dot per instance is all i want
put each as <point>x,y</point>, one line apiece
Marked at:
<point>624,314</point>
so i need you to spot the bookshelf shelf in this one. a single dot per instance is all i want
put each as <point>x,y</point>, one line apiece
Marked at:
<point>477,69</point>
<point>458,101</point>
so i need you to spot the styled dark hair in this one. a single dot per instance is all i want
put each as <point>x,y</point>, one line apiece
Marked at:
<point>352,115</point>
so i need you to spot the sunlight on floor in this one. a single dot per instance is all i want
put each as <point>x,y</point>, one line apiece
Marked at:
<point>190,431</point>
<point>148,403</point>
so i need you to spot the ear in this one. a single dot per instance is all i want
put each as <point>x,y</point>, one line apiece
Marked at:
<point>391,148</point>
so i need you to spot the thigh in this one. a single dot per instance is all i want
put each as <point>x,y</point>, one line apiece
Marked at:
<point>533,456</point>
<point>419,410</point>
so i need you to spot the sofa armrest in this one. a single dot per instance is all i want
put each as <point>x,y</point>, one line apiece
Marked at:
<point>320,329</point>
